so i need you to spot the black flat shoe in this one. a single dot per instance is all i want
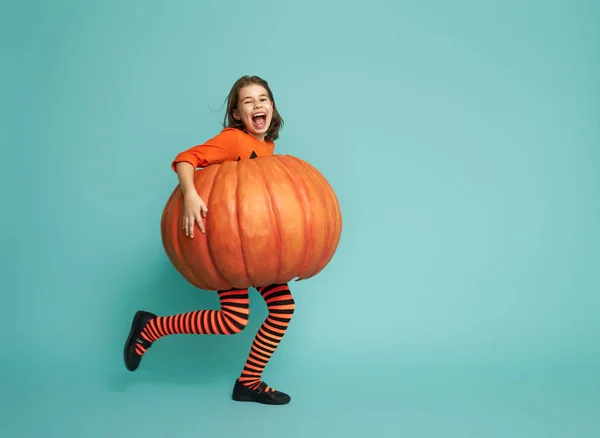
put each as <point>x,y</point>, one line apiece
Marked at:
<point>132,359</point>
<point>243,393</point>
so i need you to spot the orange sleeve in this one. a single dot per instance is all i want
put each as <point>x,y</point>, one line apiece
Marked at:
<point>222,147</point>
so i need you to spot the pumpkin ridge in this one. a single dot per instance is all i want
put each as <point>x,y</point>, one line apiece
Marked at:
<point>315,184</point>
<point>209,190</point>
<point>274,214</point>
<point>237,217</point>
<point>305,207</point>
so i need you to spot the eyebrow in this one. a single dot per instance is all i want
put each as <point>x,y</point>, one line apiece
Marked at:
<point>260,95</point>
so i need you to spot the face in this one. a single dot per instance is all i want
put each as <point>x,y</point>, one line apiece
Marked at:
<point>254,110</point>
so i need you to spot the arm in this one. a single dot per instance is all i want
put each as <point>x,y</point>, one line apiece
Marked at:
<point>216,150</point>
<point>193,205</point>
<point>185,174</point>
<point>221,148</point>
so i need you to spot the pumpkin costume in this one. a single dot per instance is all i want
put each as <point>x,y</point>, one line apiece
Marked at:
<point>274,219</point>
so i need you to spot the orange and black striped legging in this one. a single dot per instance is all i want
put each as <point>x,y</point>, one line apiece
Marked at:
<point>232,318</point>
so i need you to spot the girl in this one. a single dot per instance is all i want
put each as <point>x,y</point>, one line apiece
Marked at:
<point>251,126</point>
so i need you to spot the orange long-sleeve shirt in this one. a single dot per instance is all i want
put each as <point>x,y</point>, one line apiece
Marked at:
<point>229,145</point>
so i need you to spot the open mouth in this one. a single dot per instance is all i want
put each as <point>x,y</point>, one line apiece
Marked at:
<point>260,120</point>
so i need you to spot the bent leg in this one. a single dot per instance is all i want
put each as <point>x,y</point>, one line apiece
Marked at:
<point>147,328</point>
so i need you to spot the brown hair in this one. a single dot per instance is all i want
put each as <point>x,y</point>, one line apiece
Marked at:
<point>232,100</point>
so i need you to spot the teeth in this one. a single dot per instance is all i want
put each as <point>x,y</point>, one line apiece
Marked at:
<point>259,114</point>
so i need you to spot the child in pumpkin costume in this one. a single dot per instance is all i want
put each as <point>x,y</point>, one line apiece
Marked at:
<point>252,125</point>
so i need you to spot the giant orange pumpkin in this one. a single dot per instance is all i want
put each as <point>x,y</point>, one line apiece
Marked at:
<point>270,220</point>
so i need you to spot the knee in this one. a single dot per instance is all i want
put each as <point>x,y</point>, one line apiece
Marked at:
<point>291,304</point>
<point>235,310</point>
<point>239,327</point>
<point>282,303</point>
<point>236,322</point>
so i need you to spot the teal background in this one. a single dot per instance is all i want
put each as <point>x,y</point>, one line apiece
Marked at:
<point>462,139</point>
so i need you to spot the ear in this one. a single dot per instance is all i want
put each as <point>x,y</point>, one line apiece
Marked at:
<point>236,115</point>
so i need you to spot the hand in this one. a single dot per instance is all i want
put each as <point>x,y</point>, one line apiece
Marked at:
<point>193,210</point>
